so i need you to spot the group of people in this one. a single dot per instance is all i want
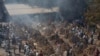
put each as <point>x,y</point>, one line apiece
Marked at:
<point>80,37</point>
<point>83,37</point>
<point>28,51</point>
<point>15,47</point>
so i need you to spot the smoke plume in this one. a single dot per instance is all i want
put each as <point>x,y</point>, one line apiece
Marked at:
<point>69,9</point>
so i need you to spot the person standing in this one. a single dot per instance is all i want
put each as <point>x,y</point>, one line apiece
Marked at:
<point>20,46</point>
<point>41,53</point>
<point>14,44</point>
<point>37,53</point>
<point>26,49</point>
<point>90,40</point>
<point>99,36</point>
<point>65,53</point>
<point>96,52</point>
<point>57,50</point>
<point>9,53</point>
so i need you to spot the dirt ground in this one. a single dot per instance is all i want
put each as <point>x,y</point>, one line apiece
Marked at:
<point>2,52</point>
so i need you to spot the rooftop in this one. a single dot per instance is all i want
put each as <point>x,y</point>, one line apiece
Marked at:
<point>20,9</point>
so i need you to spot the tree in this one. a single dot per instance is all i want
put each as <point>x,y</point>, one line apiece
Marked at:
<point>93,12</point>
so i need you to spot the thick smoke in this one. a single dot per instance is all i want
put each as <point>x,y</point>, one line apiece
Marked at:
<point>73,9</point>
<point>26,20</point>
<point>69,9</point>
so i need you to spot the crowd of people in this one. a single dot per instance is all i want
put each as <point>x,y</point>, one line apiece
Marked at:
<point>65,39</point>
<point>14,45</point>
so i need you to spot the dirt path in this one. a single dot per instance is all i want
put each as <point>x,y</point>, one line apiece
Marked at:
<point>2,52</point>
